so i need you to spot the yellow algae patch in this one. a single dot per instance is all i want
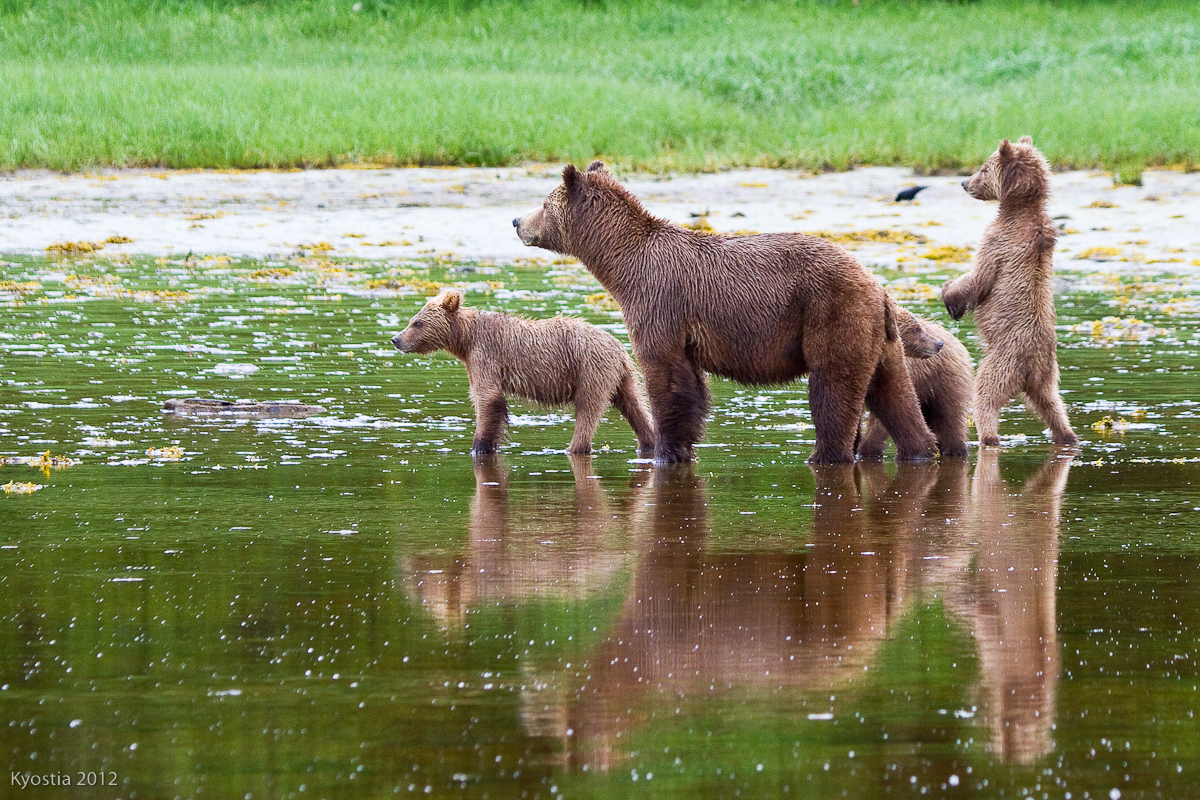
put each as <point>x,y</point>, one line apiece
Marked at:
<point>273,273</point>
<point>862,237</point>
<point>914,291</point>
<point>949,254</point>
<point>74,248</point>
<point>602,301</point>
<point>21,487</point>
<point>1102,204</point>
<point>118,239</point>
<point>1099,253</point>
<point>29,287</point>
<point>1107,424</point>
<point>389,243</point>
<point>701,224</point>
<point>1116,329</point>
<point>419,285</point>
<point>755,184</point>
<point>80,281</point>
<point>174,452</point>
<point>354,235</point>
<point>205,215</point>
<point>317,247</point>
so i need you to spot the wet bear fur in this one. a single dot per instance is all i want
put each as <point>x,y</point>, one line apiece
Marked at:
<point>762,309</point>
<point>1011,290</point>
<point>943,376</point>
<point>554,361</point>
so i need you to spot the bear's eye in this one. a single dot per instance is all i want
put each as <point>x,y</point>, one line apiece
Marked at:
<point>418,324</point>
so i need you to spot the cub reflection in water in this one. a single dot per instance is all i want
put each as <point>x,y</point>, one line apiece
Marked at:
<point>562,542</point>
<point>1008,600</point>
<point>699,625</point>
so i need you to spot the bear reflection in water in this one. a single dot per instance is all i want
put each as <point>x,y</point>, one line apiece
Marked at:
<point>697,620</point>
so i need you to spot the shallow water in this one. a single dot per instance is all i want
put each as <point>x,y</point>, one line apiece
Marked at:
<point>348,605</point>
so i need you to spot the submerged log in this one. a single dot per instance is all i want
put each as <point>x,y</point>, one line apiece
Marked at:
<point>198,406</point>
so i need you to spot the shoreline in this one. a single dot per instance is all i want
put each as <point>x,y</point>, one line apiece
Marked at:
<point>465,213</point>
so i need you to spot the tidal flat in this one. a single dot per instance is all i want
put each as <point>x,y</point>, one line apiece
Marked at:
<point>348,605</point>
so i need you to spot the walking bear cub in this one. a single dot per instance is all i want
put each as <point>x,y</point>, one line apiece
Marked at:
<point>942,374</point>
<point>550,361</point>
<point>760,309</point>
<point>1011,290</point>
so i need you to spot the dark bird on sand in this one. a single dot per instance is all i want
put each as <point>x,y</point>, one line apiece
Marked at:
<point>910,193</point>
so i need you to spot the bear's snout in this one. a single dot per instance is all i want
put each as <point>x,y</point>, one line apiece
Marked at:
<point>516,222</point>
<point>964,184</point>
<point>398,341</point>
<point>938,344</point>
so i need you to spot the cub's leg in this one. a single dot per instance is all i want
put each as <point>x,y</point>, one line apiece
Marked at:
<point>588,412</point>
<point>628,400</point>
<point>1044,399</point>
<point>874,441</point>
<point>893,399</point>
<point>995,385</point>
<point>491,415</point>
<point>679,400</point>
<point>949,426</point>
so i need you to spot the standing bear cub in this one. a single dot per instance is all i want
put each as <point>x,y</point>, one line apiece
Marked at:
<point>1011,289</point>
<point>760,309</point>
<point>942,374</point>
<point>550,361</point>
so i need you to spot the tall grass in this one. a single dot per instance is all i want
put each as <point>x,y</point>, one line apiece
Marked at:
<point>647,83</point>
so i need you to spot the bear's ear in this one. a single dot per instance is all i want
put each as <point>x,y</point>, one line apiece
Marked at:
<point>571,178</point>
<point>597,166</point>
<point>451,299</point>
<point>1006,149</point>
<point>1026,140</point>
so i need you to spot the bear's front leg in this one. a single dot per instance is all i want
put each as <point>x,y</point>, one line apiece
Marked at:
<point>491,415</point>
<point>679,401</point>
<point>958,295</point>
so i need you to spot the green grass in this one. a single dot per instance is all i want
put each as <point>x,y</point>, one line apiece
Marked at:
<point>645,83</point>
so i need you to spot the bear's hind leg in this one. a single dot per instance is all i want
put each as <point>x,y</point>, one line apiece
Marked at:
<point>892,398</point>
<point>995,385</point>
<point>836,406</point>
<point>950,429</point>
<point>1043,398</point>
<point>679,400</point>
<point>628,400</point>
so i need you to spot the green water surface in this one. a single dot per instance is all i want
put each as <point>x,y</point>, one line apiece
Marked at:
<point>348,605</point>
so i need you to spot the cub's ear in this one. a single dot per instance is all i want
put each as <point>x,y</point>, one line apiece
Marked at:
<point>1006,149</point>
<point>597,166</point>
<point>1027,140</point>
<point>571,178</point>
<point>451,300</point>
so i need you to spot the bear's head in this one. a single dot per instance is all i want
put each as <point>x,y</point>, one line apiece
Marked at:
<point>588,204</point>
<point>918,342</point>
<point>1014,173</point>
<point>429,329</point>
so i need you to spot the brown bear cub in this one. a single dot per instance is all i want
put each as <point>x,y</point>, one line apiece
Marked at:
<point>549,361</point>
<point>761,309</point>
<point>942,374</point>
<point>1011,289</point>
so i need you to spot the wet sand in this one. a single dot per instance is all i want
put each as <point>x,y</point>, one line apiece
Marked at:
<point>466,214</point>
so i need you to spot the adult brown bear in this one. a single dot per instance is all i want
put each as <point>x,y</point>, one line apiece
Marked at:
<point>761,309</point>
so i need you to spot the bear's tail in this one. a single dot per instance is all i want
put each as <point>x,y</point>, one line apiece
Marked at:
<point>891,328</point>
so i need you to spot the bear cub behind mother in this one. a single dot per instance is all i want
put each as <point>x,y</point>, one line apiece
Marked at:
<point>761,309</point>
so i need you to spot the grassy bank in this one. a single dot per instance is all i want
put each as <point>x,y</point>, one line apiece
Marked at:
<point>648,84</point>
